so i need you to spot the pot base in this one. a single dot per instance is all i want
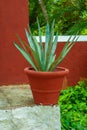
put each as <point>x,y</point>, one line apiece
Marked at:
<point>45,97</point>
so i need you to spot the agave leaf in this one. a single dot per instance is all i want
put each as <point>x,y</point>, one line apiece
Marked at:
<point>35,56</point>
<point>64,52</point>
<point>22,42</point>
<point>52,31</point>
<point>49,45</point>
<point>39,52</point>
<point>47,38</point>
<point>67,48</point>
<point>30,40</point>
<point>41,46</point>
<point>75,38</point>
<point>37,47</point>
<point>66,45</point>
<point>39,31</point>
<point>69,43</point>
<point>27,56</point>
<point>51,61</point>
<point>55,42</point>
<point>36,59</point>
<point>33,43</point>
<point>52,53</point>
<point>26,47</point>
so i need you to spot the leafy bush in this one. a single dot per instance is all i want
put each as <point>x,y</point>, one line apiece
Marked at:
<point>73,104</point>
<point>70,15</point>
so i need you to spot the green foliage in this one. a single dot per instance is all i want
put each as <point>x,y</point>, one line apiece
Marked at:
<point>43,57</point>
<point>73,104</point>
<point>70,15</point>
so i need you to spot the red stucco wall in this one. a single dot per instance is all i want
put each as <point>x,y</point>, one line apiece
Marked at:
<point>13,20</point>
<point>76,62</point>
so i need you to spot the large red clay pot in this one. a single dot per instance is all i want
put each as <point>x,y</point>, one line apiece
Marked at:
<point>46,86</point>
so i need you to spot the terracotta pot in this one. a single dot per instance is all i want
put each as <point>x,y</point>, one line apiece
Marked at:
<point>46,86</point>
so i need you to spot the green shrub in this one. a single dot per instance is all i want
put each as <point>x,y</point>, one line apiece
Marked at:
<point>73,104</point>
<point>70,15</point>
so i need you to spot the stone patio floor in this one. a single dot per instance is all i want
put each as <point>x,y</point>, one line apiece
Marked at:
<point>18,111</point>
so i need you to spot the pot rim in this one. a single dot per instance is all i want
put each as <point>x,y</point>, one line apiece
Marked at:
<point>59,71</point>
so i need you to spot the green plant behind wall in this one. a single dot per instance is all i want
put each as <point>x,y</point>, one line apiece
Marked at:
<point>70,15</point>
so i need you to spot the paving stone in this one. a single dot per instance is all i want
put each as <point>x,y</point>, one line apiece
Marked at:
<point>31,118</point>
<point>15,96</point>
<point>18,111</point>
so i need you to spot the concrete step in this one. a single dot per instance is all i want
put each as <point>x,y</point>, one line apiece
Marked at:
<point>18,111</point>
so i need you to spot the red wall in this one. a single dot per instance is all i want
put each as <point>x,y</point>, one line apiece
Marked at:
<point>76,61</point>
<point>13,20</point>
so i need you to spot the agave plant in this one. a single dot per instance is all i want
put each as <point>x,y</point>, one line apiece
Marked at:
<point>42,57</point>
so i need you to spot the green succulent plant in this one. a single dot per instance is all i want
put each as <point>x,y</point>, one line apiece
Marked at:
<point>41,56</point>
